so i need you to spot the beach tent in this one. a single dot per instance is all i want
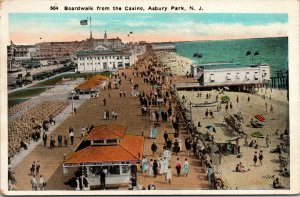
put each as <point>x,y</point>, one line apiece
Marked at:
<point>211,127</point>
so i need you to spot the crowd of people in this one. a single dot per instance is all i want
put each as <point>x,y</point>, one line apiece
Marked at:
<point>28,127</point>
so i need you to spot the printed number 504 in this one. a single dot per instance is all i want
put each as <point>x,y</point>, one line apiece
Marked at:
<point>53,7</point>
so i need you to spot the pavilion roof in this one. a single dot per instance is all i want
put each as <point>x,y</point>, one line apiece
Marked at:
<point>107,132</point>
<point>130,149</point>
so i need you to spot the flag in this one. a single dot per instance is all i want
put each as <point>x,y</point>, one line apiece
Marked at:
<point>83,22</point>
<point>256,53</point>
<point>248,53</point>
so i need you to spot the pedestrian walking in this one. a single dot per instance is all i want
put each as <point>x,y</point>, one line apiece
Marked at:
<point>37,167</point>
<point>66,140</point>
<point>237,99</point>
<point>178,167</point>
<point>168,176</point>
<point>271,109</point>
<point>34,183</point>
<point>211,114</point>
<point>206,114</point>
<point>255,158</point>
<point>144,164</point>
<point>166,137</point>
<point>102,179</point>
<point>266,107</point>
<point>155,168</point>
<point>153,148</point>
<point>151,173</point>
<point>260,157</point>
<point>72,137</point>
<point>104,101</point>
<point>268,141</point>
<point>45,138</point>
<point>186,167</point>
<point>42,183</point>
<point>32,168</point>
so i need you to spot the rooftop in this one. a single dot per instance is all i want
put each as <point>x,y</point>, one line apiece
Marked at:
<point>107,132</point>
<point>223,65</point>
<point>101,52</point>
<point>130,149</point>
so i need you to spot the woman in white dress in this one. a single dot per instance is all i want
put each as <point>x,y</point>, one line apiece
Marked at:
<point>77,184</point>
<point>151,168</point>
<point>168,175</point>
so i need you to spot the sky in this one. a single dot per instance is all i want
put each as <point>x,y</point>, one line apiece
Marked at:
<point>30,28</point>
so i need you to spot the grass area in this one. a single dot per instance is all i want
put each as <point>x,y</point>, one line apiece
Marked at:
<point>12,102</point>
<point>16,97</point>
<point>58,79</point>
<point>28,92</point>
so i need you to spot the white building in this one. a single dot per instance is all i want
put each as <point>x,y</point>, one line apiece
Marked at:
<point>102,60</point>
<point>163,46</point>
<point>227,74</point>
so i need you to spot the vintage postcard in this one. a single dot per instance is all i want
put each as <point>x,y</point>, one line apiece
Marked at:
<point>124,97</point>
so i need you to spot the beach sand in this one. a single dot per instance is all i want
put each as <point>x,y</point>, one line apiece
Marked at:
<point>255,178</point>
<point>177,64</point>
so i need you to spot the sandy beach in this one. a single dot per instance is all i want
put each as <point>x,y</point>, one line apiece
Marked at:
<point>255,178</point>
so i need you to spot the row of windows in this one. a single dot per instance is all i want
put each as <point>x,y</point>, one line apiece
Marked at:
<point>104,57</point>
<point>229,76</point>
<point>95,63</point>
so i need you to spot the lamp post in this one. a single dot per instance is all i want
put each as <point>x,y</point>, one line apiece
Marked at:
<point>72,94</point>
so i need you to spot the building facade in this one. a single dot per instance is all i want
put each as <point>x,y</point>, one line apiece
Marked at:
<point>106,148</point>
<point>102,60</point>
<point>163,46</point>
<point>226,74</point>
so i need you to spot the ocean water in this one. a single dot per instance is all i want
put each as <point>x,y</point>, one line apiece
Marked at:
<point>273,51</point>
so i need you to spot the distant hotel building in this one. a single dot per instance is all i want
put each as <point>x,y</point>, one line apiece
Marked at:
<point>60,50</point>
<point>230,74</point>
<point>21,52</point>
<point>163,46</point>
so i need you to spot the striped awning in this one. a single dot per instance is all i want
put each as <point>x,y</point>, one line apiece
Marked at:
<point>260,118</point>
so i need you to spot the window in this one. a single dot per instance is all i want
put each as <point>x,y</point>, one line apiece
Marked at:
<point>212,78</point>
<point>256,75</point>
<point>228,76</point>
<point>247,76</point>
<point>238,75</point>
<point>99,141</point>
<point>125,169</point>
<point>111,141</point>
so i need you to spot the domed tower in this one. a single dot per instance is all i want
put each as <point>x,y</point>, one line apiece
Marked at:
<point>105,38</point>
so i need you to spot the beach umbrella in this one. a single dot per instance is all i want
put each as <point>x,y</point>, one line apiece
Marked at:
<point>211,128</point>
<point>257,134</point>
<point>260,118</point>
<point>225,99</point>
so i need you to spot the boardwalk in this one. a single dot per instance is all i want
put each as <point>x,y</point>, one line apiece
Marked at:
<point>129,115</point>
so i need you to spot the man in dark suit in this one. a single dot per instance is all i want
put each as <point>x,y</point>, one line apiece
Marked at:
<point>102,179</point>
<point>45,139</point>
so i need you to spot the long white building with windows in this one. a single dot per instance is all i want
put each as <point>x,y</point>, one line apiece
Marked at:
<point>103,60</point>
<point>228,74</point>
